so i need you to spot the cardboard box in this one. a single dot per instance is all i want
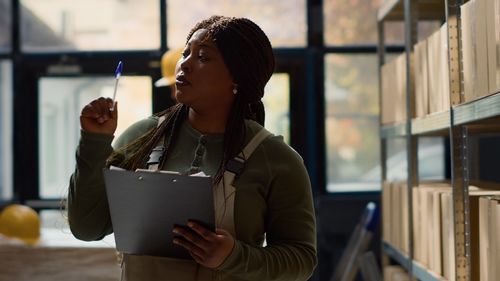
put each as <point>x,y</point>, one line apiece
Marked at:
<point>386,211</point>
<point>421,79</point>
<point>428,225</point>
<point>394,90</point>
<point>434,59</point>
<point>491,44</point>
<point>397,215</point>
<point>484,238</point>
<point>388,93</point>
<point>468,55</point>
<point>425,226</point>
<point>497,36</point>
<point>431,224</point>
<point>493,251</point>
<point>417,240</point>
<point>496,243</point>
<point>480,48</point>
<point>400,98</point>
<point>474,196</point>
<point>445,69</point>
<point>437,242</point>
<point>488,238</point>
<point>405,222</point>
<point>448,236</point>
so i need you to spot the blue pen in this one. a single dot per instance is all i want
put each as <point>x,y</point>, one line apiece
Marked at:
<point>118,73</point>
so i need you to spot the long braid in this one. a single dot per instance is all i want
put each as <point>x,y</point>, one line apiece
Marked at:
<point>179,118</point>
<point>234,136</point>
<point>140,149</point>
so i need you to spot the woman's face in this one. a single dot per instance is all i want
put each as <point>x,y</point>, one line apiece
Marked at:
<point>203,81</point>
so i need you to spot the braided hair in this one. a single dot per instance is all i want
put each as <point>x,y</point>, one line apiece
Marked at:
<point>248,55</point>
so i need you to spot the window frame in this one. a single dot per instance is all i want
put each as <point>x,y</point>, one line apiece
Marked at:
<point>6,144</point>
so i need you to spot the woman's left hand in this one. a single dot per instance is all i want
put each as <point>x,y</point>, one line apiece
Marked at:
<point>207,248</point>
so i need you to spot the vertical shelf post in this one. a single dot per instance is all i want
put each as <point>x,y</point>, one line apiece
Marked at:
<point>383,140</point>
<point>458,146</point>
<point>411,26</point>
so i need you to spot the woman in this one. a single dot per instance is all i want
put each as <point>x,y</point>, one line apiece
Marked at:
<point>261,187</point>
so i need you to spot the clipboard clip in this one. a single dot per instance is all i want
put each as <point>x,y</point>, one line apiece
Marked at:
<point>156,155</point>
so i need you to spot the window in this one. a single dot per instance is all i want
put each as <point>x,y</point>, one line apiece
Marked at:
<point>354,23</point>
<point>277,105</point>
<point>6,147</point>
<point>92,25</point>
<point>284,21</point>
<point>350,22</point>
<point>60,103</point>
<point>5,26</point>
<point>352,139</point>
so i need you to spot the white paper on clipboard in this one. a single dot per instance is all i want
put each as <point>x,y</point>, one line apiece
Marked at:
<point>145,206</point>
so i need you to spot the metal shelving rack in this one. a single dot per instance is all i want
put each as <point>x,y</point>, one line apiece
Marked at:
<point>478,111</point>
<point>436,123</point>
<point>455,122</point>
<point>400,10</point>
<point>419,271</point>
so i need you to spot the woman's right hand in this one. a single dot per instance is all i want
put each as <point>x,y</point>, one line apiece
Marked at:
<point>96,117</point>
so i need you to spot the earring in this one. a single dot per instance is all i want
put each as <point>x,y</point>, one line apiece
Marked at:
<point>235,91</point>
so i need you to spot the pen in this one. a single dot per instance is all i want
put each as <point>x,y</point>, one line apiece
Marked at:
<point>118,73</point>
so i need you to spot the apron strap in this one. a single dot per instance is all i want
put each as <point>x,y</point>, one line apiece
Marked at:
<point>224,192</point>
<point>158,151</point>
<point>254,142</point>
<point>235,166</point>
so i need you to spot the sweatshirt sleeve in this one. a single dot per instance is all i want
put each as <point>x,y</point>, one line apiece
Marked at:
<point>88,210</point>
<point>290,253</point>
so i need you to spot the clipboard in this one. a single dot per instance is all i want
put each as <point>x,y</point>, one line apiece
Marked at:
<point>145,206</point>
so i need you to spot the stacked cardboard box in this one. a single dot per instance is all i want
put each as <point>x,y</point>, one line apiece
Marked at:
<point>467,54</point>
<point>480,35</point>
<point>395,215</point>
<point>475,230</point>
<point>427,224</point>
<point>432,82</point>
<point>433,226</point>
<point>443,100</point>
<point>480,28</point>
<point>421,79</point>
<point>489,233</point>
<point>497,36</point>
<point>448,234</point>
<point>394,90</point>
<point>492,30</point>
<point>386,211</point>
